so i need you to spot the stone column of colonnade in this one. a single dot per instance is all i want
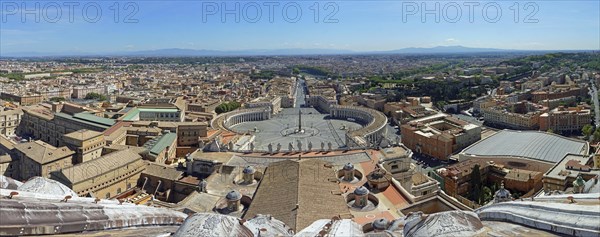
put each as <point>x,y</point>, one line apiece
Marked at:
<point>246,117</point>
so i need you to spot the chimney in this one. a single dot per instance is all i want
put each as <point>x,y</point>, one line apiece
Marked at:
<point>348,172</point>
<point>233,200</point>
<point>248,174</point>
<point>361,195</point>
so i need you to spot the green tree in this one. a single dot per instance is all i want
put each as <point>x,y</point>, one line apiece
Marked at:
<point>227,106</point>
<point>57,99</point>
<point>221,109</point>
<point>597,134</point>
<point>475,184</point>
<point>587,130</point>
<point>486,195</point>
<point>95,96</point>
<point>562,103</point>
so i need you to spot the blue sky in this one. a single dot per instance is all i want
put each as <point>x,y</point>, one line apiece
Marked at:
<point>360,26</point>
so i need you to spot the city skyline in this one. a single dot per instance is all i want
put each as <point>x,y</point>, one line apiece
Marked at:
<point>357,26</point>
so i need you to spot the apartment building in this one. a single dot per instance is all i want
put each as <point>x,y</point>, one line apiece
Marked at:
<point>81,91</point>
<point>439,135</point>
<point>561,119</point>
<point>26,99</point>
<point>520,115</point>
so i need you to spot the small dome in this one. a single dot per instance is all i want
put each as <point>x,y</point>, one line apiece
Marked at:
<point>348,166</point>
<point>249,170</point>
<point>380,224</point>
<point>502,194</point>
<point>233,195</point>
<point>361,191</point>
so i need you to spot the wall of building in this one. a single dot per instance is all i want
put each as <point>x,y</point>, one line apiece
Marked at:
<point>320,103</point>
<point>116,187</point>
<point>9,121</point>
<point>29,168</point>
<point>108,183</point>
<point>436,146</point>
<point>41,128</point>
<point>161,116</point>
<point>50,130</point>
<point>510,120</point>
<point>565,121</point>
<point>8,166</point>
<point>468,137</point>
<point>85,150</point>
<point>22,99</point>
<point>81,92</point>
<point>189,135</point>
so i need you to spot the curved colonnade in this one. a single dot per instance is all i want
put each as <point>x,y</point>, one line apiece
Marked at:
<point>374,124</point>
<point>227,120</point>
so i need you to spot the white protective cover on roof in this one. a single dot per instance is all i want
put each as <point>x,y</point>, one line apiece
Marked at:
<point>43,185</point>
<point>9,183</point>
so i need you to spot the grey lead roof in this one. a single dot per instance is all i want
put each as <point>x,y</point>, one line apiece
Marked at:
<point>529,144</point>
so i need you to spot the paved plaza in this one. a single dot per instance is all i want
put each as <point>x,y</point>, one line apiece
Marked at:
<point>281,128</point>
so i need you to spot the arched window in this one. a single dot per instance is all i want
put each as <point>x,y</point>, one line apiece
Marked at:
<point>107,195</point>
<point>118,190</point>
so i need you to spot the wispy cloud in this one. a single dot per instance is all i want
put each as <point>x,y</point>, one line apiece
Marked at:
<point>451,41</point>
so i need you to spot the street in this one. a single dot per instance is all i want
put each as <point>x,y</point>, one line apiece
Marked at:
<point>594,94</point>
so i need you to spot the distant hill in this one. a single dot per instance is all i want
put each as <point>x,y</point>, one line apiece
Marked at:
<point>178,52</point>
<point>443,50</point>
<point>266,52</point>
